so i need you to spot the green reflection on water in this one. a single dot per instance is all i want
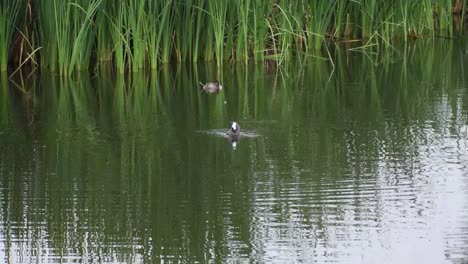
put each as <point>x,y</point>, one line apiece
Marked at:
<point>117,168</point>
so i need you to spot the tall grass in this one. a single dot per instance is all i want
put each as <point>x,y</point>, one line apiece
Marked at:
<point>66,31</point>
<point>260,28</point>
<point>217,11</point>
<point>135,35</point>
<point>9,13</point>
<point>319,20</point>
<point>185,14</point>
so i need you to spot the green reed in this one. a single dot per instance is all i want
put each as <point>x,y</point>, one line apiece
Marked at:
<point>66,33</point>
<point>339,19</point>
<point>119,35</point>
<point>185,16</point>
<point>217,11</point>
<point>73,35</point>
<point>166,31</point>
<point>444,16</point>
<point>242,43</point>
<point>136,16</point>
<point>10,11</point>
<point>414,19</point>
<point>82,42</point>
<point>260,28</point>
<point>319,20</point>
<point>284,29</point>
<point>104,48</point>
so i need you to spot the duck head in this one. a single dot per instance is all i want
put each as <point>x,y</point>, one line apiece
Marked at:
<point>216,83</point>
<point>235,128</point>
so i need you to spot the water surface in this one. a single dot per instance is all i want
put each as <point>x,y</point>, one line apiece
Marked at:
<point>364,162</point>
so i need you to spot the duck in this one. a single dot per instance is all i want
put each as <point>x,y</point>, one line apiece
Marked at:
<point>233,134</point>
<point>234,130</point>
<point>211,87</point>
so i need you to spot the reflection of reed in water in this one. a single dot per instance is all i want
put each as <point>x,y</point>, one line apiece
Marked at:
<point>122,168</point>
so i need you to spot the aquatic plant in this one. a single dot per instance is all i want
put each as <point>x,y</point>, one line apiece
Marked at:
<point>71,35</point>
<point>66,33</point>
<point>9,13</point>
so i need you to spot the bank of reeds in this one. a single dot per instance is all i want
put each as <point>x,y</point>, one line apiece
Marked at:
<point>10,11</point>
<point>72,35</point>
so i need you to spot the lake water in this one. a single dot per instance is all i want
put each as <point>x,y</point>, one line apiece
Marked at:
<point>363,162</point>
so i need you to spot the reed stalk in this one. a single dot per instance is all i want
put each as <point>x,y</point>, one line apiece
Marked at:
<point>103,27</point>
<point>242,45</point>
<point>260,28</point>
<point>185,14</point>
<point>9,13</point>
<point>217,11</point>
<point>71,35</point>
<point>319,21</point>
<point>136,17</point>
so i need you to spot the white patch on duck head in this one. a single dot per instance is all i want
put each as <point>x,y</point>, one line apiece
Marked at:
<point>234,126</point>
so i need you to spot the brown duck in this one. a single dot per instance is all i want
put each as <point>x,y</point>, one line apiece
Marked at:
<point>211,87</point>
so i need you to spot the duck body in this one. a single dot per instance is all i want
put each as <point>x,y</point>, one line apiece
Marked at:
<point>211,87</point>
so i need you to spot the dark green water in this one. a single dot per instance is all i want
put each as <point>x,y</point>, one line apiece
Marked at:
<point>366,162</point>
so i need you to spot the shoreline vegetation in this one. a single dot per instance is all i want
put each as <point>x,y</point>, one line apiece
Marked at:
<point>65,36</point>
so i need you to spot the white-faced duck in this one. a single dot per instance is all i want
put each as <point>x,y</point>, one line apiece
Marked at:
<point>234,134</point>
<point>234,130</point>
<point>211,87</point>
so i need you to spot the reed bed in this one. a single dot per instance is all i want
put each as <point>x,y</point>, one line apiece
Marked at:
<point>10,11</point>
<point>72,35</point>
